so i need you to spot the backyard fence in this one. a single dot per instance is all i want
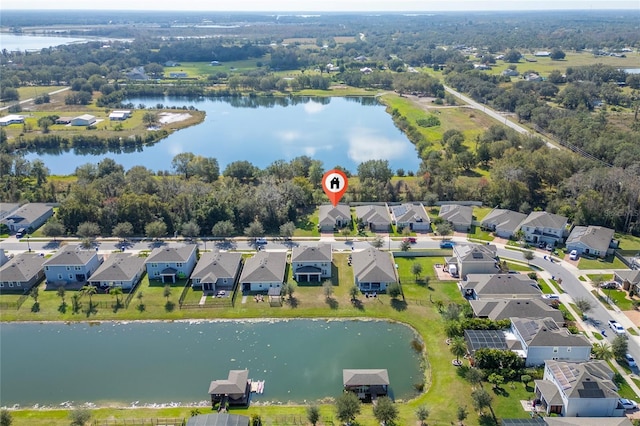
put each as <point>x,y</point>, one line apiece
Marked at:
<point>141,422</point>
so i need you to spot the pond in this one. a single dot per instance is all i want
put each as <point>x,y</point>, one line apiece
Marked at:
<point>337,131</point>
<point>174,362</point>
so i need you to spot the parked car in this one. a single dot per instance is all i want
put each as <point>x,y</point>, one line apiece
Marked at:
<point>573,255</point>
<point>541,244</point>
<point>617,328</point>
<point>630,361</point>
<point>411,240</point>
<point>21,233</point>
<point>610,284</point>
<point>447,244</point>
<point>628,404</point>
<point>261,241</point>
<point>549,247</point>
<point>551,296</point>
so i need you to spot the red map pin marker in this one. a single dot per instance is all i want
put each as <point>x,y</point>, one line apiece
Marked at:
<point>334,183</point>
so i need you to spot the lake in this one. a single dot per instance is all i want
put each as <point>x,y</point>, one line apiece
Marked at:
<point>174,362</point>
<point>15,42</point>
<point>337,131</point>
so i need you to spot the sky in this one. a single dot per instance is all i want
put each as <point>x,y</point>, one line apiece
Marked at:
<point>325,5</point>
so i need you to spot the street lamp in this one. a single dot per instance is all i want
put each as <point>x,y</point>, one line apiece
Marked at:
<point>28,244</point>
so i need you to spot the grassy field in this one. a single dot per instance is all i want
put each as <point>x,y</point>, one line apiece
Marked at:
<point>610,262</point>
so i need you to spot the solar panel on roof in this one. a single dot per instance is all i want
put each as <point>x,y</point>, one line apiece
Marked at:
<point>476,255</point>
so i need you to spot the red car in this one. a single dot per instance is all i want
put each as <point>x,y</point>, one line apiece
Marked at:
<point>412,240</point>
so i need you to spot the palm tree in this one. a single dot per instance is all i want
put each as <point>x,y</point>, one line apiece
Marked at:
<point>458,348</point>
<point>602,350</point>
<point>167,292</point>
<point>117,292</point>
<point>88,290</point>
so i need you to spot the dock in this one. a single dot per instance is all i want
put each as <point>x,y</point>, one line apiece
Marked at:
<point>257,386</point>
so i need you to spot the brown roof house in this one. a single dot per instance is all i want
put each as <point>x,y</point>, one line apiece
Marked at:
<point>263,271</point>
<point>216,271</point>
<point>373,270</point>
<point>311,263</point>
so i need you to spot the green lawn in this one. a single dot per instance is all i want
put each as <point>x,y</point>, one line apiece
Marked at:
<point>546,289</point>
<point>506,399</point>
<point>619,297</point>
<point>610,262</point>
<point>478,233</point>
<point>599,277</point>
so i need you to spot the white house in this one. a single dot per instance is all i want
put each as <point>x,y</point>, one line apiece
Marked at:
<point>263,271</point>
<point>375,217</point>
<point>460,217</point>
<point>373,270</point>
<point>542,339</point>
<point>504,223</point>
<point>579,389</point>
<point>413,216</point>
<point>120,115</point>
<point>332,218</point>
<point>474,259</point>
<point>11,119</point>
<point>544,227</point>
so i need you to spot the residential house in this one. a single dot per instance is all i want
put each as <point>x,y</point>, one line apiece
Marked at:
<point>178,75</point>
<point>373,270</point>
<point>3,257</point>
<point>544,227</point>
<point>71,266</point>
<point>568,421</point>
<point>542,53</point>
<point>30,216</point>
<point>119,115</point>
<point>137,73</point>
<point>11,119</point>
<point>374,217</point>
<point>333,218</point>
<point>171,64</point>
<point>504,223</point>
<point>542,339</point>
<point>216,271</point>
<point>311,263</point>
<point>510,73</point>
<point>628,279</point>
<point>499,286</point>
<point>63,120</point>
<point>579,389</point>
<point>234,390</point>
<point>498,309</point>
<point>473,259</point>
<point>460,217</point>
<point>83,120</point>
<point>263,271</point>
<point>21,272</point>
<point>167,263</point>
<point>7,208</point>
<point>122,270</point>
<point>367,384</point>
<point>591,240</point>
<point>532,76</point>
<point>413,216</point>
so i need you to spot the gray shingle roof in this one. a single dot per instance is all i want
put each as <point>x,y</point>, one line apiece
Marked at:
<point>584,379</point>
<point>119,267</point>
<point>372,265</point>
<point>216,265</point>
<point>6,208</point>
<point>218,419</point>
<point>502,285</point>
<point>497,309</point>
<point>545,332</point>
<point>171,254</point>
<point>544,220</point>
<point>72,255</point>
<point>632,276</point>
<point>29,213</point>
<point>264,267</point>
<point>475,252</point>
<point>595,237</point>
<point>235,383</point>
<point>503,219</point>
<point>328,214</point>
<point>407,213</point>
<point>320,253</point>
<point>373,214</point>
<point>457,214</point>
<point>364,377</point>
<point>22,268</point>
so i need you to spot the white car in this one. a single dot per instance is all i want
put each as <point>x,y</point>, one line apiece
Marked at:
<point>628,404</point>
<point>617,328</point>
<point>573,255</point>
<point>551,296</point>
<point>630,361</point>
<point>261,241</point>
